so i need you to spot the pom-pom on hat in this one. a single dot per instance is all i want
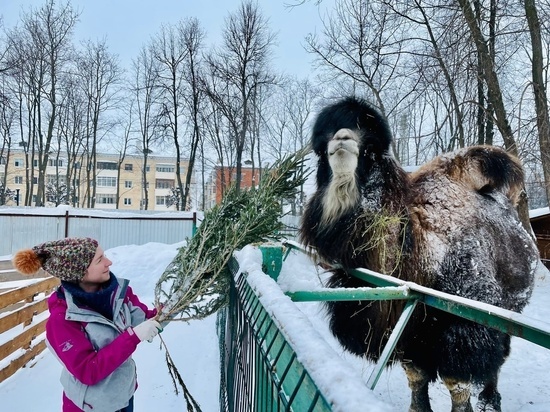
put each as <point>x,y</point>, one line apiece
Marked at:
<point>66,259</point>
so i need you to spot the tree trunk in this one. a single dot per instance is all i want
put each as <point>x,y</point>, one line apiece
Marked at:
<point>539,90</point>
<point>491,78</point>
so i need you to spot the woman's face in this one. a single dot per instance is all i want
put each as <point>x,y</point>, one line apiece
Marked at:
<point>97,273</point>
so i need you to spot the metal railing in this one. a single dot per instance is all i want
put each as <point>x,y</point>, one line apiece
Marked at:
<point>388,287</point>
<point>260,369</point>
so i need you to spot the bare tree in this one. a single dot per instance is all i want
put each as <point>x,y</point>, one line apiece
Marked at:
<point>490,76</point>
<point>146,91</point>
<point>360,49</point>
<point>193,36</point>
<point>177,49</point>
<point>71,133</point>
<point>241,63</point>
<point>169,51</point>
<point>100,75</point>
<point>539,89</point>
<point>7,120</point>
<point>50,30</point>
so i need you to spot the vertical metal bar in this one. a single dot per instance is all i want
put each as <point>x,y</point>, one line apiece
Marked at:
<point>66,223</point>
<point>392,341</point>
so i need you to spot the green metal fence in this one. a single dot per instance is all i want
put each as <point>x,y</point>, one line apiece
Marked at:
<point>260,368</point>
<point>261,371</point>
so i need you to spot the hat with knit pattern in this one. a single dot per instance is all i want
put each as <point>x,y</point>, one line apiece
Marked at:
<point>66,259</point>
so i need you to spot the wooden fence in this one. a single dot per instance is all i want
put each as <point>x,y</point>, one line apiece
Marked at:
<point>22,318</point>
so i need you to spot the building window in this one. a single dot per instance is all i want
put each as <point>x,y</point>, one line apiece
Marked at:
<point>161,200</point>
<point>106,165</point>
<point>128,184</point>
<point>18,163</point>
<point>35,163</point>
<point>53,179</point>
<point>18,180</point>
<point>55,162</point>
<point>106,199</point>
<point>164,184</point>
<point>127,201</point>
<point>35,180</point>
<point>106,181</point>
<point>148,168</point>
<point>77,165</point>
<point>165,168</point>
<point>128,166</point>
<point>2,160</point>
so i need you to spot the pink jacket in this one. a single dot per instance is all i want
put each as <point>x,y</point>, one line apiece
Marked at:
<point>95,351</point>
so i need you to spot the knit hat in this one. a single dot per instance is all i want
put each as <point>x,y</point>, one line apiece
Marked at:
<point>66,259</point>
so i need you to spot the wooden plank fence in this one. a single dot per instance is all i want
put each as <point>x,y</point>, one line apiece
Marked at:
<point>21,307</point>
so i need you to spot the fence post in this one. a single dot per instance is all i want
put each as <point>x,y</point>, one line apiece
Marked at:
<point>66,223</point>
<point>272,259</point>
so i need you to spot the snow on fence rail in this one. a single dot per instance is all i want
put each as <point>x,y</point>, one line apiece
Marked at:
<point>271,359</point>
<point>389,287</point>
<point>23,315</point>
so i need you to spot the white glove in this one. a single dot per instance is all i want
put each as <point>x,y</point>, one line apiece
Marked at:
<point>147,330</point>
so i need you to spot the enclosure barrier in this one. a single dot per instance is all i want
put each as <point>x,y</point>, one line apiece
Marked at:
<point>260,368</point>
<point>24,317</point>
<point>388,287</point>
<point>22,227</point>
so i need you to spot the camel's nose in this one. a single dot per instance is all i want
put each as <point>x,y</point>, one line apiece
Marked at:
<point>345,134</point>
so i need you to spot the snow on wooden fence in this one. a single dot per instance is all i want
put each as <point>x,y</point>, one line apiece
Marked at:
<point>23,315</point>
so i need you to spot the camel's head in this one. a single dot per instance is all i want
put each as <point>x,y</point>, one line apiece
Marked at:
<point>349,136</point>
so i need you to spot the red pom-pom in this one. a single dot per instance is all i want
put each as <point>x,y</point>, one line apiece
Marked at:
<point>27,262</point>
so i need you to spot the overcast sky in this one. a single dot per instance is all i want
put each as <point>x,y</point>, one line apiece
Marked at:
<point>128,24</point>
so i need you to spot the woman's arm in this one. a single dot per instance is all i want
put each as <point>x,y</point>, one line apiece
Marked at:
<point>72,346</point>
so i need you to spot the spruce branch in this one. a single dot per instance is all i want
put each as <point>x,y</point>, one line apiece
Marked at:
<point>196,282</point>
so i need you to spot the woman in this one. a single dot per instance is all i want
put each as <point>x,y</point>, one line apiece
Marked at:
<point>95,324</point>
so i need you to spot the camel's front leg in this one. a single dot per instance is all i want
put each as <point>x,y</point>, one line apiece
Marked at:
<point>418,382</point>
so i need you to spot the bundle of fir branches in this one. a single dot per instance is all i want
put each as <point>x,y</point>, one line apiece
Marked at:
<point>196,283</point>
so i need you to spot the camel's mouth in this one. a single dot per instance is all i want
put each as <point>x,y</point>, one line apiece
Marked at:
<point>344,141</point>
<point>341,147</point>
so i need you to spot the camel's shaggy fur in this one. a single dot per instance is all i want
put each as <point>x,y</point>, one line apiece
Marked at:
<point>451,225</point>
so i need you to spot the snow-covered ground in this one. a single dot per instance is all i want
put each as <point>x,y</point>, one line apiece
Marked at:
<point>524,380</point>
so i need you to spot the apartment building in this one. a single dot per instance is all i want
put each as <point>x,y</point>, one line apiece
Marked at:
<point>160,173</point>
